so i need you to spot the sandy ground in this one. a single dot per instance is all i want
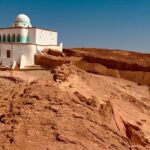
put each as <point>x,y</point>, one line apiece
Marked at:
<point>28,75</point>
<point>83,112</point>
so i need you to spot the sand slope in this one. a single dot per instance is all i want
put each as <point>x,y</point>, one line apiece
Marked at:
<point>70,109</point>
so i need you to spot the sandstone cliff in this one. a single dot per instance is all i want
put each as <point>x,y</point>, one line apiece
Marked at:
<point>122,64</point>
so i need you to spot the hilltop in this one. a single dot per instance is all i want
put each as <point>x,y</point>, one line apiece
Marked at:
<point>88,99</point>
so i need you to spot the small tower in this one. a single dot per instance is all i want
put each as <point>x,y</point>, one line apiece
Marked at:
<point>23,21</point>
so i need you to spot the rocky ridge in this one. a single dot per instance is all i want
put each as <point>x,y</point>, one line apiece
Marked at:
<point>117,63</point>
<point>68,107</point>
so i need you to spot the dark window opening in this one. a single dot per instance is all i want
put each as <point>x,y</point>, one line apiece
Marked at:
<point>8,53</point>
<point>18,38</point>
<point>13,38</point>
<point>8,38</point>
<point>4,38</point>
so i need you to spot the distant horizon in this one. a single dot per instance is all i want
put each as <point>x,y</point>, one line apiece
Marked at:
<point>117,24</point>
<point>130,50</point>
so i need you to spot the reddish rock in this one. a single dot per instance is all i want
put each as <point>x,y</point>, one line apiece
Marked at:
<point>123,64</point>
<point>53,52</point>
<point>49,60</point>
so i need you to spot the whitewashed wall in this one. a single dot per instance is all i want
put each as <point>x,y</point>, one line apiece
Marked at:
<point>32,35</point>
<point>45,37</point>
<point>23,32</point>
<point>35,35</point>
<point>27,50</point>
<point>11,31</point>
<point>17,50</point>
<point>38,40</point>
<point>57,48</point>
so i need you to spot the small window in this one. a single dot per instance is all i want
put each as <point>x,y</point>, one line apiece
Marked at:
<point>8,38</point>
<point>4,38</point>
<point>18,38</point>
<point>13,38</point>
<point>8,53</point>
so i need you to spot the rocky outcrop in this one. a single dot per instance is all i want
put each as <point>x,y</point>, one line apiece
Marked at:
<point>123,64</point>
<point>52,52</point>
<point>50,60</point>
<point>61,73</point>
<point>139,77</point>
<point>135,135</point>
<point>114,59</point>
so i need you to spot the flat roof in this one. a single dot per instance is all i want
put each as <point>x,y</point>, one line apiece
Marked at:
<point>27,28</point>
<point>13,43</point>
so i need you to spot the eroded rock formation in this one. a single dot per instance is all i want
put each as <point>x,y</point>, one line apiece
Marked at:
<point>122,64</point>
<point>64,107</point>
<point>83,111</point>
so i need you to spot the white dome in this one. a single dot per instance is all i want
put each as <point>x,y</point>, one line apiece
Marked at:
<point>22,18</point>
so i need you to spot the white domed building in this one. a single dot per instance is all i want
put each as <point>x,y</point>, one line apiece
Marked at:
<point>19,43</point>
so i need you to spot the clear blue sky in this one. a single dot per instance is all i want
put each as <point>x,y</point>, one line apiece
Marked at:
<point>122,24</point>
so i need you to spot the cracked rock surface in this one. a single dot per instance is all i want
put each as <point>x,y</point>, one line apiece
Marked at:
<point>82,112</point>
